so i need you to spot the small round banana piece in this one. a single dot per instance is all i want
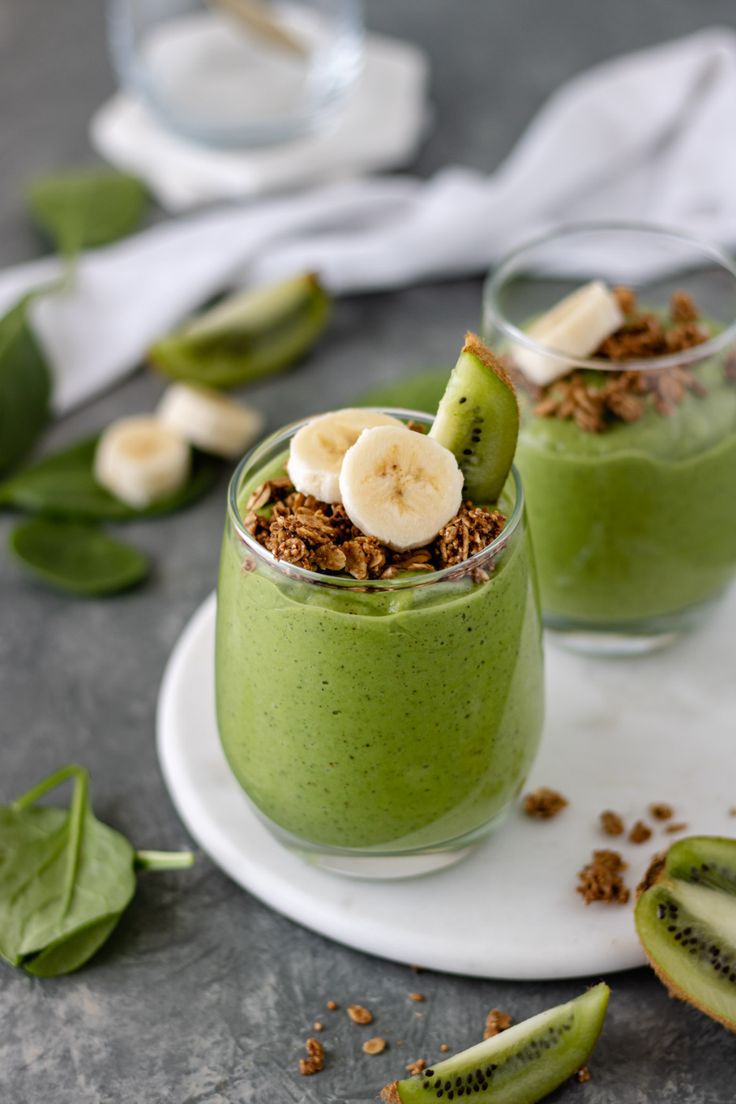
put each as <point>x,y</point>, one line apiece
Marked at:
<point>208,420</point>
<point>317,450</point>
<point>139,460</point>
<point>576,326</point>
<point>400,486</point>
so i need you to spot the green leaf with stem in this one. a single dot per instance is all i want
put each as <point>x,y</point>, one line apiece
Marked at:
<point>65,878</point>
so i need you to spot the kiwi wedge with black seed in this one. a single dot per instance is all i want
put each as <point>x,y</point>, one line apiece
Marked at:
<point>478,420</point>
<point>519,1066</point>
<point>686,921</point>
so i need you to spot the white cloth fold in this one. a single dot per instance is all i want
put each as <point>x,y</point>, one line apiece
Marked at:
<point>648,137</point>
<point>381,125</point>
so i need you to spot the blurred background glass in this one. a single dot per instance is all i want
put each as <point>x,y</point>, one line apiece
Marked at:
<point>238,73</point>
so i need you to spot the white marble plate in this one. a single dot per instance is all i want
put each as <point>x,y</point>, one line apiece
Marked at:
<point>619,734</point>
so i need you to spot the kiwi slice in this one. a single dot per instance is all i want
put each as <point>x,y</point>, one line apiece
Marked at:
<point>519,1066</point>
<point>246,336</point>
<point>686,920</point>
<point>478,420</point>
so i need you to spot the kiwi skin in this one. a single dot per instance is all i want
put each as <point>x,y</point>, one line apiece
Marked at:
<point>658,890</point>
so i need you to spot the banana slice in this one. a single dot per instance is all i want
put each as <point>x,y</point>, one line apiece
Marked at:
<point>576,326</point>
<point>400,486</point>
<point>139,460</point>
<point>209,420</point>
<point>317,449</point>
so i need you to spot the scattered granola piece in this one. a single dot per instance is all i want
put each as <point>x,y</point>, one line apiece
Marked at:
<point>417,997</point>
<point>418,427</point>
<point>601,879</point>
<point>332,1006</point>
<point>732,811</point>
<point>583,1074</point>
<point>660,810</point>
<point>680,826</point>
<point>640,833</point>
<point>374,1046</point>
<point>316,1060</point>
<point>416,969</point>
<point>611,823</point>
<point>359,1015</point>
<point>496,1022</point>
<point>318,1026</point>
<point>544,803</point>
<point>416,1067</point>
<point>444,1047</point>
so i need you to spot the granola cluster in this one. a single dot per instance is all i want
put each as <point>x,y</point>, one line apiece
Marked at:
<point>320,536</point>
<point>596,402</point>
<point>544,803</point>
<point>601,879</point>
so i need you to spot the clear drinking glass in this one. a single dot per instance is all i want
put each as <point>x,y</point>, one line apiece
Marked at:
<point>634,527</point>
<point>380,728</point>
<point>238,72</point>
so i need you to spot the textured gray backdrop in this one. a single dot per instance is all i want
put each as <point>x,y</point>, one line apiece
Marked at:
<point>203,996</point>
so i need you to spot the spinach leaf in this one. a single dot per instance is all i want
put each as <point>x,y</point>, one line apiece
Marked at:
<point>25,386</point>
<point>77,557</point>
<point>65,878</point>
<point>63,486</point>
<point>83,209</point>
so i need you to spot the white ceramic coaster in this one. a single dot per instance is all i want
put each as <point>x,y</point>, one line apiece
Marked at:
<point>620,734</point>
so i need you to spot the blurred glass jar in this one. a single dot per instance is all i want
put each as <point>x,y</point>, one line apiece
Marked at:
<point>238,73</point>
<point>633,521</point>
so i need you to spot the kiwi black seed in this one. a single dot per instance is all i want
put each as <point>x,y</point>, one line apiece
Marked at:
<point>686,920</point>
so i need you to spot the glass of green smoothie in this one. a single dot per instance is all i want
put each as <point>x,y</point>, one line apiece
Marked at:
<point>621,341</point>
<point>381,723</point>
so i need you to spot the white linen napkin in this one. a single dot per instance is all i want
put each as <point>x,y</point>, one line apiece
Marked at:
<point>650,137</point>
<point>383,121</point>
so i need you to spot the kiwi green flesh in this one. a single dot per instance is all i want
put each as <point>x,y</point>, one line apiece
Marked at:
<point>238,342</point>
<point>519,1066</point>
<point>478,420</point>
<point>686,922</point>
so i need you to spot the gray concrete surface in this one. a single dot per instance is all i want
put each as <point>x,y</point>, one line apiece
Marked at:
<point>203,996</point>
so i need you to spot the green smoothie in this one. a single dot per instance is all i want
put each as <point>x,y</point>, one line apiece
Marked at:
<point>372,718</point>
<point>639,521</point>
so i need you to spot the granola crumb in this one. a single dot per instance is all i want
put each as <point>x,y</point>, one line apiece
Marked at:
<point>496,1022</point>
<point>544,803</point>
<point>601,879</point>
<point>416,969</point>
<point>611,823</point>
<point>417,997</point>
<point>640,832</point>
<point>732,811</point>
<point>375,1045</point>
<point>444,1047</point>
<point>682,307</point>
<point>416,1067</point>
<point>332,1006</point>
<point>316,1060</point>
<point>626,298</point>
<point>359,1015</point>
<point>583,1074</point>
<point>318,1026</point>
<point>661,811</point>
<point>680,826</point>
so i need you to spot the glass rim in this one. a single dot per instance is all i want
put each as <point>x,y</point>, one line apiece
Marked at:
<point>283,435</point>
<point>495,281</point>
